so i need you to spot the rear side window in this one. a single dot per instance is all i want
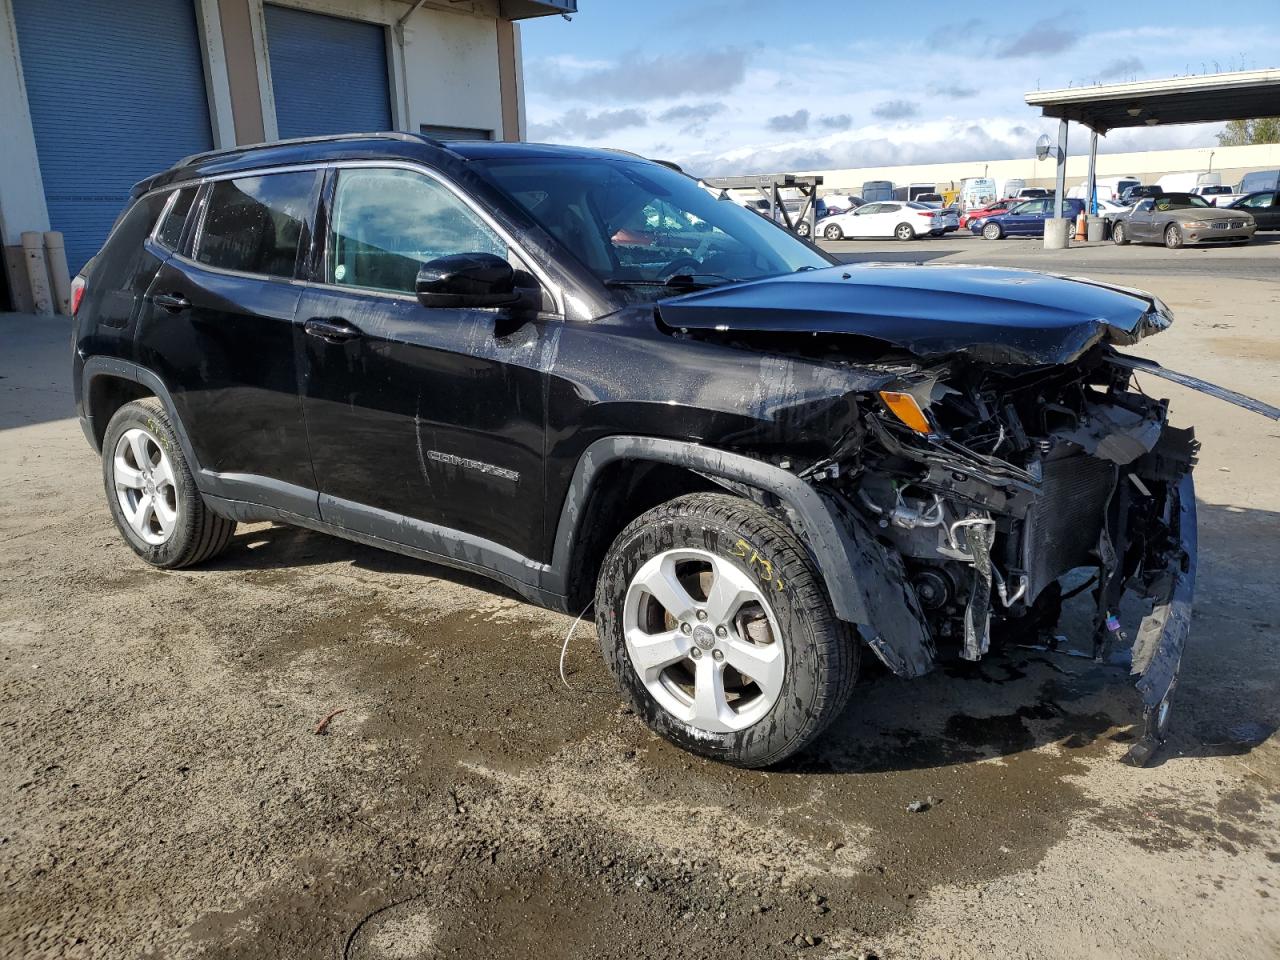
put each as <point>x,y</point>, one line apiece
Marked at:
<point>253,224</point>
<point>170,232</point>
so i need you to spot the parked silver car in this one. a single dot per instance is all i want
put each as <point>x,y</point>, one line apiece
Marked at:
<point>1179,219</point>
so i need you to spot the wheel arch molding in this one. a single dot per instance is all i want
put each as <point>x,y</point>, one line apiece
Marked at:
<point>866,586</point>
<point>97,369</point>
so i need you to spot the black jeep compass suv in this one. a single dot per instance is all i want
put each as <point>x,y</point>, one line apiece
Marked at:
<point>593,379</point>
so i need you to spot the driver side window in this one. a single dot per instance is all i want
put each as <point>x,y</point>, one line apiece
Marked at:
<point>1261,200</point>
<point>385,224</point>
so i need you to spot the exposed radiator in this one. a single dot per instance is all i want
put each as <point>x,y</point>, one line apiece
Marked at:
<point>1064,525</point>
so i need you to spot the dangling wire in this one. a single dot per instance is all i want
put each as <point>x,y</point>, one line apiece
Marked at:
<point>564,650</point>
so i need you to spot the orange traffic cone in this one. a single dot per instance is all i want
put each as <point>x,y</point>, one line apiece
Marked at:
<point>1082,230</point>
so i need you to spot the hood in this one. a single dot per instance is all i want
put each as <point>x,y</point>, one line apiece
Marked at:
<point>1205,213</point>
<point>990,314</point>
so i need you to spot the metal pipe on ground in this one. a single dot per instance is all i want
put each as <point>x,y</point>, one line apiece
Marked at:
<point>55,252</point>
<point>37,272</point>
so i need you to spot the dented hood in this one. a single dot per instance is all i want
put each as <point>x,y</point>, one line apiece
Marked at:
<point>987,313</point>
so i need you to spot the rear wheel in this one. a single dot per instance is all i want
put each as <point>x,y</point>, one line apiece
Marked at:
<point>802,228</point>
<point>992,231</point>
<point>151,493</point>
<point>904,231</point>
<point>1172,236</point>
<point>833,232</point>
<point>717,626</point>
<point>1119,234</point>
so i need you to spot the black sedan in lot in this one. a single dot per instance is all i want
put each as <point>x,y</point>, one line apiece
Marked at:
<point>1263,206</point>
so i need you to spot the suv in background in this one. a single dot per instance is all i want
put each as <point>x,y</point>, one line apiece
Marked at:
<point>1131,195</point>
<point>580,374</point>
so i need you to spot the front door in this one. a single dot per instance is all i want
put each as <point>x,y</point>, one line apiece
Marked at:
<point>219,333</point>
<point>1027,219</point>
<point>1139,220</point>
<point>1265,209</point>
<point>423,422</point>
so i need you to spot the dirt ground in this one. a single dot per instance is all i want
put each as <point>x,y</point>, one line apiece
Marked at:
<point>163,792</point>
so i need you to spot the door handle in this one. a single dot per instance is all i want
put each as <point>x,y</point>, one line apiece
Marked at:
<point>332,330</point>
<point>173,302</point>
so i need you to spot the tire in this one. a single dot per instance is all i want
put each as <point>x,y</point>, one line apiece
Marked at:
<point>833,232</point>
<point>992,231</point>
<point>802,229</point>
<point>781,603</point>
<point>177,529</point>
<point>1119,234</point>
<point>1172,236</point>
<point>904,231</point>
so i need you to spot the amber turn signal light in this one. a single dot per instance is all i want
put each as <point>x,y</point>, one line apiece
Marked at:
<point>904,407</point>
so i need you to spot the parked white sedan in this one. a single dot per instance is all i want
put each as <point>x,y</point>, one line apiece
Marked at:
<point>890,218</point>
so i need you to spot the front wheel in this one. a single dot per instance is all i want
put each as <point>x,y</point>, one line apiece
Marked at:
<point>717,627</point>
<point>1119,234</point>
<point>904,231</point>
<point>1172,236</point>
<point>833,232</point>
<point>151,493</point>
<point>803,228</point>
<point>992,231</point>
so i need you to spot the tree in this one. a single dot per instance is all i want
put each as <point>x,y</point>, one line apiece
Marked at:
<point>1239,133</point>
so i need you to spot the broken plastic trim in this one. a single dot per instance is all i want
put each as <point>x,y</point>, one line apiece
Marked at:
<point>1222,393</point>
<point>1157,650</point>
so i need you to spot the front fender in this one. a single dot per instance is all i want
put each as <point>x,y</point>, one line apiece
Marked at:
<point>865,582</point>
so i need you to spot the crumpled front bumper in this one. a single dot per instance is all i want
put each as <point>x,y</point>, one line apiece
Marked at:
<point>1162,635</point>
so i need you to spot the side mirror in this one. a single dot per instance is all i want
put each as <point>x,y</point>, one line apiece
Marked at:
<point>468,280</point>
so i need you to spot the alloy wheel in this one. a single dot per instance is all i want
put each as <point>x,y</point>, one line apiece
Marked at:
<point>704,640</point>
<point>144,486</point>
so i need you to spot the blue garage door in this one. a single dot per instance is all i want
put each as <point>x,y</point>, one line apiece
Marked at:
<point>328,74</point>
<point>116,92</point>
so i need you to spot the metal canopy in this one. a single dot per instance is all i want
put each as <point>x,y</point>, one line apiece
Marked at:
<point>525,9</point>
<point>1242,95</point>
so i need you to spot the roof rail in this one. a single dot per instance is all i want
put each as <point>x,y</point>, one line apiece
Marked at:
<point>297,141</point>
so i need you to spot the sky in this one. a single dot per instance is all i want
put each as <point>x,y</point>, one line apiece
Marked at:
<point>755,86</point>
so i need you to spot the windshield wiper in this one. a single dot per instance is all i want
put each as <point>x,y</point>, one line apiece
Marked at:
<point>679,280</point>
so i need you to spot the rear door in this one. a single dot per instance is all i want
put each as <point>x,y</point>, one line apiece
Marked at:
<point>888,216</point>
<point>220,334</point>
<point>419,419</point>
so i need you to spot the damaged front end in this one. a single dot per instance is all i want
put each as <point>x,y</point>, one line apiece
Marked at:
<point>994,483</point>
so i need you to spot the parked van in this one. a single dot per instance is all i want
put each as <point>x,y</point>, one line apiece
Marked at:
<point>1187,182</point>
<point>1260,180</point>
<point>1109,188</point>
<point>976,192</point>
<point>1012,188</point>
<point>877,191</point>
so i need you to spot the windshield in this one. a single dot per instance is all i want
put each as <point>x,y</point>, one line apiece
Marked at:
<point>1180,201</point>
<point>638,225</point>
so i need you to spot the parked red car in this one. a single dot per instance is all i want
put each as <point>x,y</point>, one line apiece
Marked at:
<point>990,210</point>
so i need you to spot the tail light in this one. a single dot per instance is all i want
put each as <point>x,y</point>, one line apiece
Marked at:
<point>77,294</point>
<point>926,213</point>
